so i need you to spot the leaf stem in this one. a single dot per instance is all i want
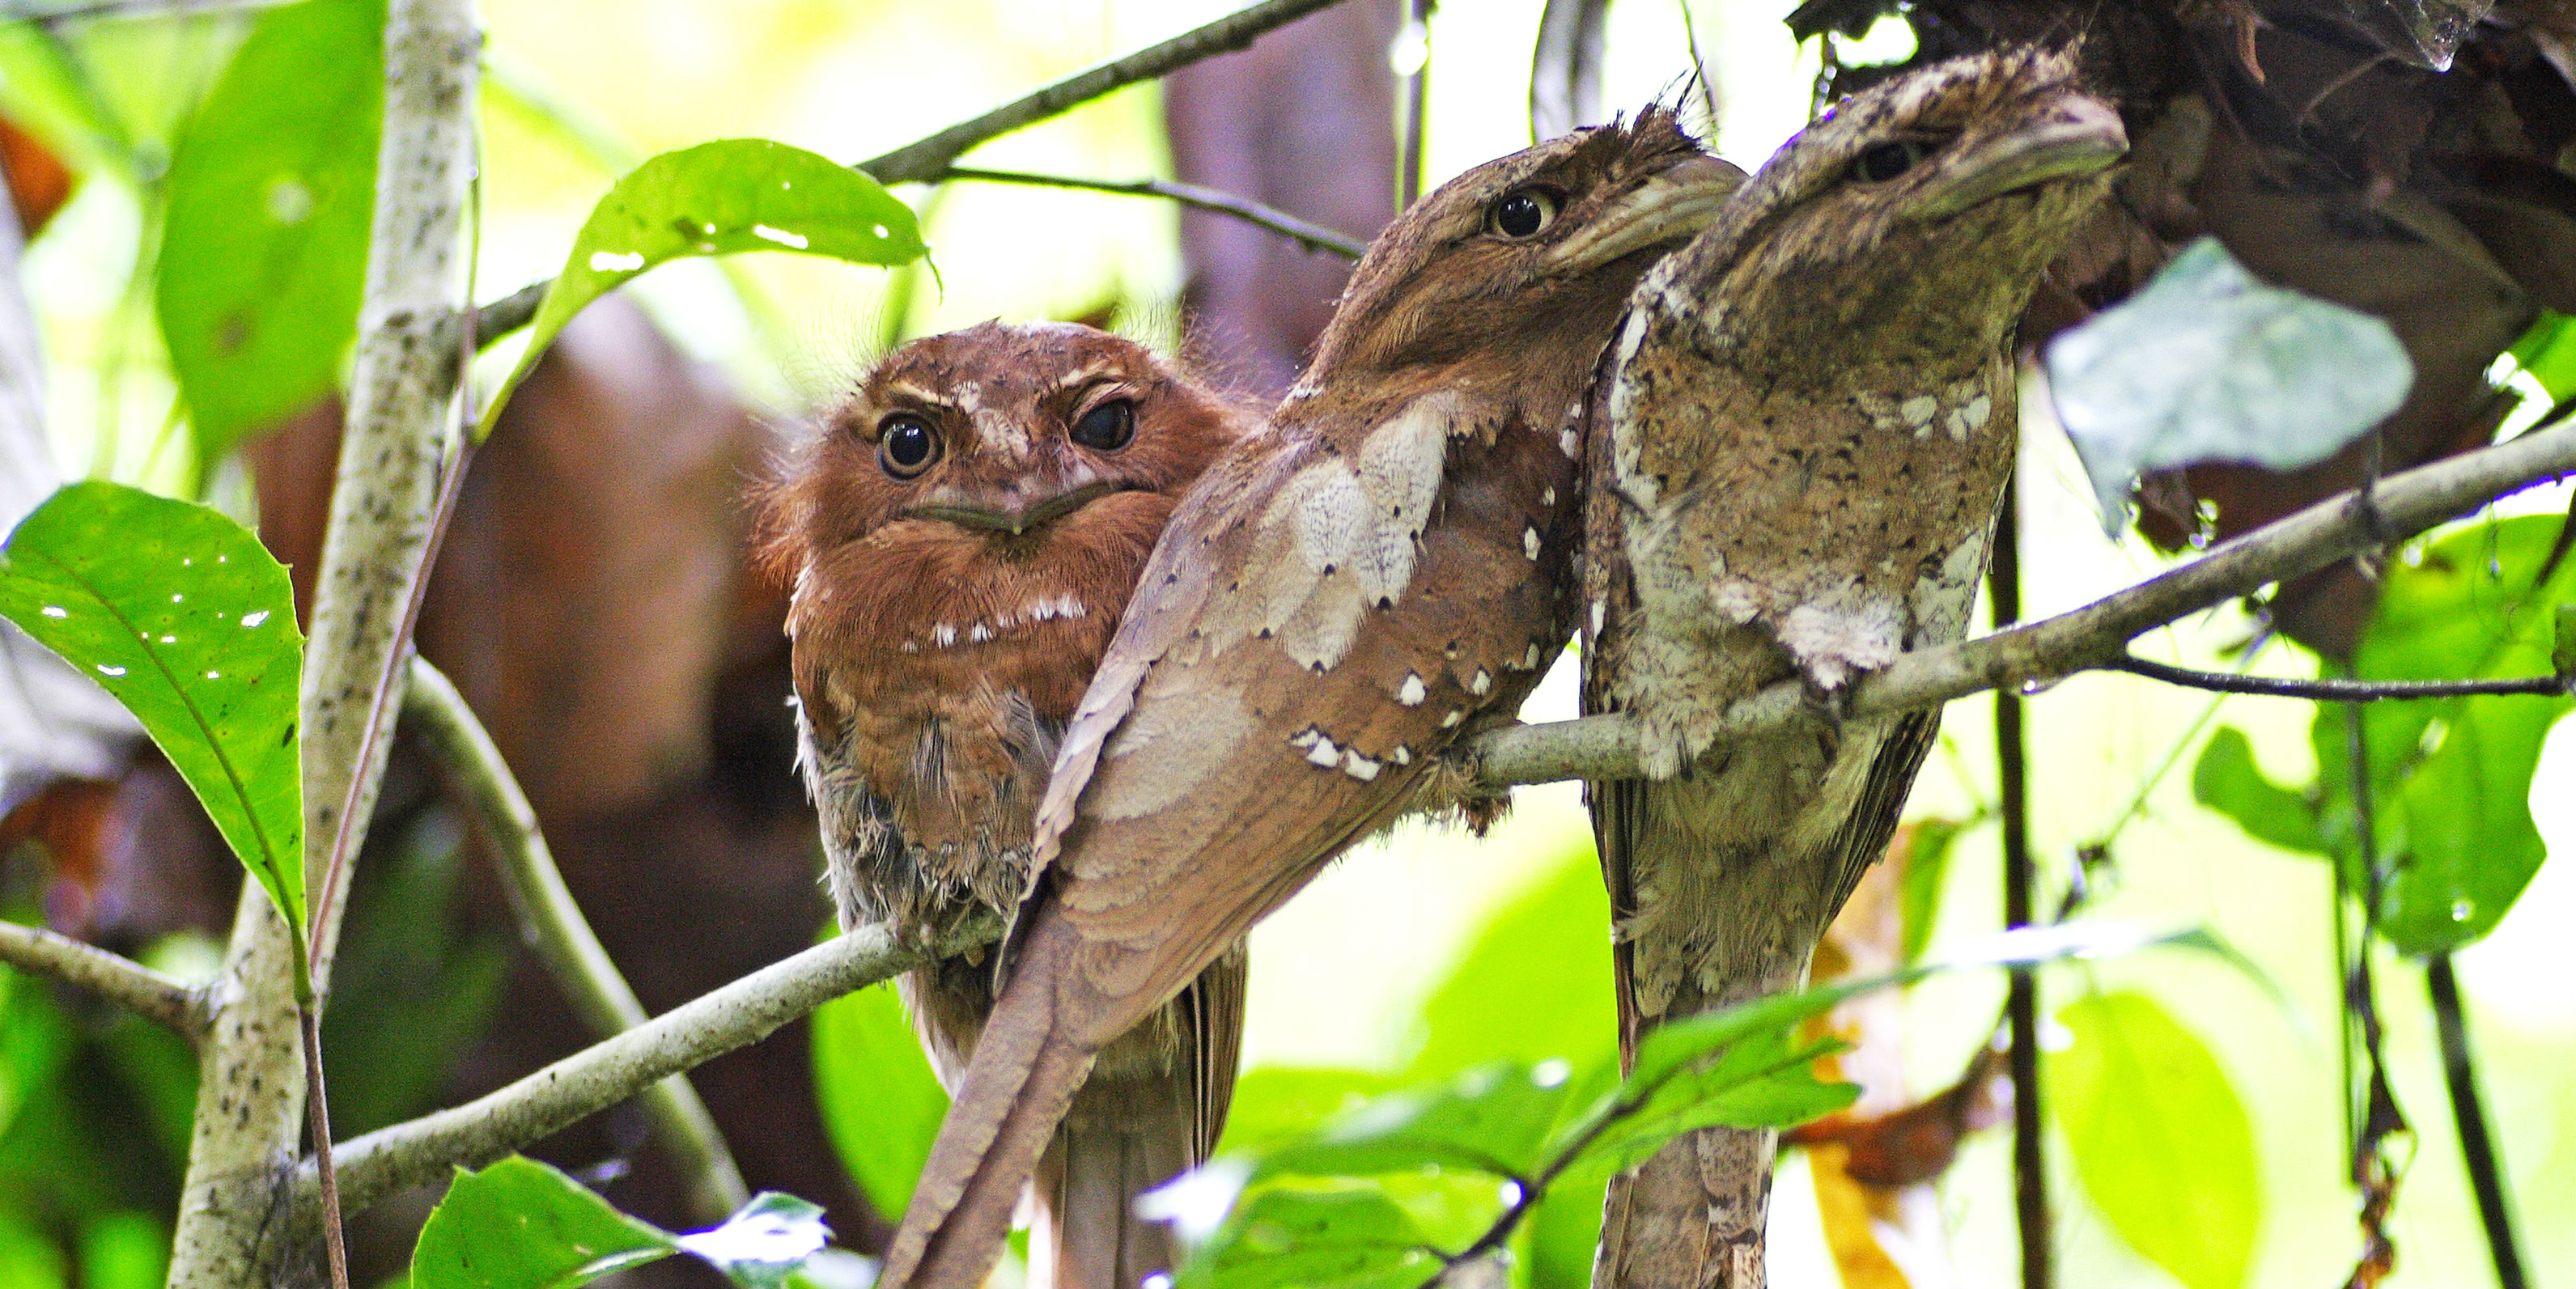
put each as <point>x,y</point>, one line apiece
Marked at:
<point>2021,1000</point>
<point>318,1104</point>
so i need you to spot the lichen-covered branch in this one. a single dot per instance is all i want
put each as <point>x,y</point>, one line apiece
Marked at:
<point>2090,638</point>
<point>555,928</point>
<point>111,976</point>
<point>739,1014</point>
<point>250,1100</point>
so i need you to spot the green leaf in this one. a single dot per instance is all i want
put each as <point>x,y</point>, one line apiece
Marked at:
<point>1277,1104</point>
<point>1763,1080</point>
<point>1493,1120</point>
<point>1347,1238</point>
<point>881,1104</point>
<point>2209,363</point>
<point>1927,863</point>
<point>520,1224</point>
<point>2159,1137</point>
<point>718,198</point>
<point>2548,352</point>
<point>271,189</point>
<point>2226,780</point>
<point>764,1242</point>
<point>2455,776</point>
<point>1535,985</point>
<point>182,615</point>
<point>124,1251</point>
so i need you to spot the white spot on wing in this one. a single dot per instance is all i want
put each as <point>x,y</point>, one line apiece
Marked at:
<point>1324,753</point>
<point>1482,684</point>
<point>1357,766</point>
<point>1411,692</point>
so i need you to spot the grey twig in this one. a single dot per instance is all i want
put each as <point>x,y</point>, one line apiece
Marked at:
<point>1312,236</point>
<point>923,160</point>
<point>2090,638</point>
<point>111,976</point>
<point>739,1014</point>
<point>555,928</point>
<point>2335,689</point>
<point>927,160</point>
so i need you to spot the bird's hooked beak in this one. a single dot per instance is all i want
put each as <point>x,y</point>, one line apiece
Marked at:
<point>1668,209</point>
<point>1013,514</point>
<point>2076,135</point>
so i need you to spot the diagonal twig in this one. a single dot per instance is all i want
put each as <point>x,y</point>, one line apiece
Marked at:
<point>1312,236</point>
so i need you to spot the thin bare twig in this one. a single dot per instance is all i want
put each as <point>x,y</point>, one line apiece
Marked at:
<point>926,160</point>
<point>111,976</point>
<point>2335,688</point>
<point>1565,66</point>
<point>2090,638</point>
<point>2468,1110</point>
<point>922,161</point>
<point>2021,999</point>
<point>739,1014</point>
<point>553,924</point>
<point>1312,236</point>
<point>78,10</point>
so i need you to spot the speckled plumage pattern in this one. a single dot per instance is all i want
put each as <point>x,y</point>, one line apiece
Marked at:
<point>1382,572</point>
<point>945,624</point>
<point>1796,467</point>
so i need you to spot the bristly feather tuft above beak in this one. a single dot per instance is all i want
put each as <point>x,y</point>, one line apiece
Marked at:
<point>1668,209</point>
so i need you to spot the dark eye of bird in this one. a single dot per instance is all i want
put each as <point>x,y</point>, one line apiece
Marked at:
<point>906,445</point>
<point>1522,212</point>
<point>1880,162</point>
<point>1108,427</point>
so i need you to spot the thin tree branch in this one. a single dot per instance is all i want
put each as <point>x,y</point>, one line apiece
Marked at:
<point>76,10</point>
<point>927,160</point>
<point>251,1087</point>
<point>2021,998</point>
<point>2477,1143</point>
<point>2336,689</point>
<point>2090,638</point>
<point>739,1014</point>
<point>920,161</point>
<point>111,976</point>
<point>1565,66</point>
<point>553,925</point>
<point>1312,236</point>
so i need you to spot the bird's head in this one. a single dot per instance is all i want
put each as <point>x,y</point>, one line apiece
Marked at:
<point>1523,255</point>
<point>978,486</point>
<point>1910,225</point>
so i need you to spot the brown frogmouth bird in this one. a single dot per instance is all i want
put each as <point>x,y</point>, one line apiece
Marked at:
<point>962,536</point>
<point>1383,570</point>
<point>1797,463</point>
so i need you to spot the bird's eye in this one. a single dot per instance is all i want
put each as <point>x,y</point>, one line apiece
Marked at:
<point>1522,212</point>
<point>1108,427</point>
<point>906,445</point>
<point>1880,162</point>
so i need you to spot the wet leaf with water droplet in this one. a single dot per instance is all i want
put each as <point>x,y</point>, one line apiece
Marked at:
<point>2208,363</point>
<point>271,191</point>
<point>219,700</point>
<point>719,198</point>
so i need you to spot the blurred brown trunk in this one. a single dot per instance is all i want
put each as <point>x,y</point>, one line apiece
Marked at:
<point>1302,121</point>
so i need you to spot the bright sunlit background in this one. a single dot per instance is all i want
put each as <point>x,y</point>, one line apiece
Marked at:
<point>579,89</point>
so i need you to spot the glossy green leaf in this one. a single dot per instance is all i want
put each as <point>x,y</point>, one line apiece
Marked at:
<point>1535,985</point>
<point>2209,363</point>
<point>2548,352</point>
<point>763,1243</point>
<point>2456,775</point>
<point>2160,1140</point>
<point>1764,1080</point>
<point>719,198</point>
<point>1493,1120</point>
<point>271,189</point>
<point>183,616</point>
<point>1276,1104</point>
<point>1349,1238</point>
<point>2227,780</point>
<point>881,1104</point>
<point>520,1224</point>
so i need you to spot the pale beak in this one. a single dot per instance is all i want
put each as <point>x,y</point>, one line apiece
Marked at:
<point>1015,518</point>
<point>1668,209</point>
<point>2078,136</point>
